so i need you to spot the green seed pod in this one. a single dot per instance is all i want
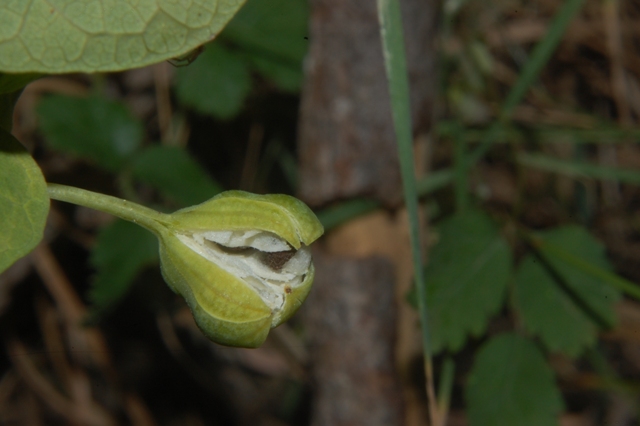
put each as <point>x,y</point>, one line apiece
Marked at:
<point>241,262</point>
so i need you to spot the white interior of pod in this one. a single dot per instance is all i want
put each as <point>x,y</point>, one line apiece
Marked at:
<point>243,254</point>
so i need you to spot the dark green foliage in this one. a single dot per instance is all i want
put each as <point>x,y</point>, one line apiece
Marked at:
<point>511,384</point>
<point>267,37</point>
<point>557,300</point>
<point>121,251</point>
<point>548,311</point>
<point>12,82</point>
<point>217,83</point>
<point>175,174</point>
<point>92,127</point>
<point>466,278</point>
<point>274,36</point>
<point>597,297</point>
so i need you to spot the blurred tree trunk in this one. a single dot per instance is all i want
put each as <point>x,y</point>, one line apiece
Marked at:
<point>347,149</point>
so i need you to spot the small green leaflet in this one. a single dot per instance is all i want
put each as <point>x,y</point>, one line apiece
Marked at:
<point>512,384</point>
<point>557,299</point>
<point>466,278</point>
<point>24,203</point>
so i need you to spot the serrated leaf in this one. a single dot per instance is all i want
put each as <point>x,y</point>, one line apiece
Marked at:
<point>24,203</point>
<point>122,250</point>
<point>175,174</point>
<point>511,384</point>
<point>94,128</point>
<point>565,309</point>
<point>274,36</point>
<point>466,278</point>
<point>550,313</point>
<point>217,83</point>
<point>58,36</point>
<point>593,291</point>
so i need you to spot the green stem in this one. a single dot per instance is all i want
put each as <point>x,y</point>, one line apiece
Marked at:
<point>143,216</point>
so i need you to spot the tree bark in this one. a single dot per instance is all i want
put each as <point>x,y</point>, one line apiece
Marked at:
<point>347,149</point>
<point>351,346</point>
<point>347,145</point>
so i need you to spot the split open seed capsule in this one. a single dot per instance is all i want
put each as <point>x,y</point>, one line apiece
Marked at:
<point>241,261</point>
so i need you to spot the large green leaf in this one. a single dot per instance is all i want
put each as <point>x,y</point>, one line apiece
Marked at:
<point>122,250</point>
<point>217,83</point>
<point>24,203</point>
<point>56,36</point>
<point>559,301</point>
<point>466,278</point>
<point>511,384</point>
<point>175,174</point>
<point>93,127</point>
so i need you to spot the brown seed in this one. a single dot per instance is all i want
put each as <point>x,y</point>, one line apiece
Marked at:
<point>278,259</point>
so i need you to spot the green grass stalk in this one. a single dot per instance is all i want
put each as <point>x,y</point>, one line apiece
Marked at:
<point>395,64</point>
